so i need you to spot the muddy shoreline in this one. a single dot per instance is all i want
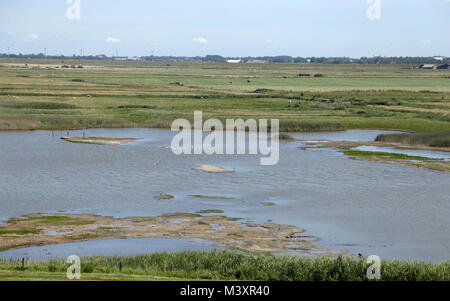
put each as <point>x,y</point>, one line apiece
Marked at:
<point>223,231</point>
<point>343,146</point>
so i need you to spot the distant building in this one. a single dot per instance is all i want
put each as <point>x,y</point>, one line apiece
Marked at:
<point>256,62</point>
<point>428,66</point>
<point>233,61</point>
<point>120,58</point>
<point>439,58</point>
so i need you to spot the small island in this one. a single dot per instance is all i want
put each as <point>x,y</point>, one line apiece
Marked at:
<point>213,169</point>
<point>100,140</point>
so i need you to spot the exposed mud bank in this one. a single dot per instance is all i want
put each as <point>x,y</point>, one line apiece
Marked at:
<point>40,229</point>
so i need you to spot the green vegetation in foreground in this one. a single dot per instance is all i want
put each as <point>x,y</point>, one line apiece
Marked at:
<point>439,139</point>
<point>357,153</point>
<point>224,265</point>
<point>146,94</point>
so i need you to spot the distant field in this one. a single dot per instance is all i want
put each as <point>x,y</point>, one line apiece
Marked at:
<point>41,95</point>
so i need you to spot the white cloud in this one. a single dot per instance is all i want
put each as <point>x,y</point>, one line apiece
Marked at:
<point>200,40</point>
<point>269,41</point>
<point>426,41</point>
<point>112,40</point>
<point>31,37</point>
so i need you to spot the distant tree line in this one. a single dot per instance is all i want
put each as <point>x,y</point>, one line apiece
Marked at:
<point>267,59</point>
<point>56,57</point>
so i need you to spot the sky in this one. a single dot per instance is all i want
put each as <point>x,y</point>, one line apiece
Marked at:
<point>232,28</point>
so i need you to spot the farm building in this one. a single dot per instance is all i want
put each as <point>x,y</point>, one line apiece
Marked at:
<point>233,61</point>
<point>256,62</point>
<point>428,66</point>
<point>443,66</point>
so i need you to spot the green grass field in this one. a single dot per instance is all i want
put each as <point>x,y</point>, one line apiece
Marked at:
<point>223,265</point>
<point>41,95</point>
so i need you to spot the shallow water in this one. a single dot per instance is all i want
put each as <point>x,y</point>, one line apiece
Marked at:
<point>410,152</point>
<point>350,135</point>
<point>110,247</point>
<point>387,210</point>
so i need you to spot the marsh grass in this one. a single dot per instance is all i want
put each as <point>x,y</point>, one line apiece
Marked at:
<point>358,153</point>
<point>309,126</point>
<point>229,265</point>
<point>53,220</point>
<point>38,105</point>
<point>434,139</point>
<point>285,137</point>
<point>164,197</point>
<point>23,231</point>
<point>118,95</point>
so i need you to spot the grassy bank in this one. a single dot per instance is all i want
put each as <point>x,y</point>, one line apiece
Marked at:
<point>137,94</point>
<point>439,139</point>
<point>357,153</point>
<point>223,265</point>
<point>401,159</point>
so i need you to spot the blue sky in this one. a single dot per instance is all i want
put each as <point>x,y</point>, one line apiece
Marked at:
<point>227,27</point>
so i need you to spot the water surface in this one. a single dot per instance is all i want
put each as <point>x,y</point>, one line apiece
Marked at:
<point>387,210</point>
<point>109,247</point>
